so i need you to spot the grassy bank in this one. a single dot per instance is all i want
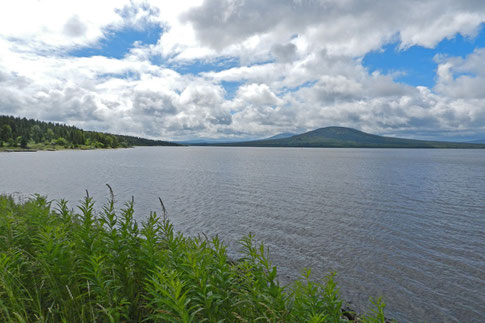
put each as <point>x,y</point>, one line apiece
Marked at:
<point>32,147</point>
<point>60,265</point>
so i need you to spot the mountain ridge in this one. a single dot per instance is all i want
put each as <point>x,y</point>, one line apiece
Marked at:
<point>342,137</point>
<point>478,141</point>
<point>281,136</point>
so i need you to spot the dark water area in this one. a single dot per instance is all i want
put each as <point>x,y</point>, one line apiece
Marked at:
<point>404,224</point>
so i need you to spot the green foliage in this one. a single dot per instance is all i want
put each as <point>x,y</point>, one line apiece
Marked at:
<point>61,265</point>
<point>23,142</point>
<point>49,134</point>
<point>18,131</point>
<point>61,141</point>
<point>5,132</point>
<point>376,314</point>
<point>36,133</point>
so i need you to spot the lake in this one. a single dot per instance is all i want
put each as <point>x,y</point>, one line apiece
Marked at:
<point>404,224</point>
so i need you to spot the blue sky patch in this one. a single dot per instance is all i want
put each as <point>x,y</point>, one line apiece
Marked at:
<point>296,88</point>
<point>231,88</point>
<point>202,66</point>
<point>118,43</point>
<point>415,65</point>
<point>126,75</point>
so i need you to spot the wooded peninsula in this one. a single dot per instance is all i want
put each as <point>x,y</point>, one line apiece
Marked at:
<point>17,134</point>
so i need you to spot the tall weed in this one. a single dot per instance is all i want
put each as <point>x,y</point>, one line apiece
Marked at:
<point>62,265</point>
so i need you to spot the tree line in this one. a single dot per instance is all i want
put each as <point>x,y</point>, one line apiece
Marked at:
<point>25,133</point>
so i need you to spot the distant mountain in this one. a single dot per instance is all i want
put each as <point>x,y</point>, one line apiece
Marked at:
<point>206,142</point>
<point>196,142</point>
<point>347,137</point>
<point>479,141</point>
<point>210,142</point>
<point>281,136</point>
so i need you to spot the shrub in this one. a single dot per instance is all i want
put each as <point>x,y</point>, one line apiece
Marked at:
<point>61,141</point>
<point>60,265</point>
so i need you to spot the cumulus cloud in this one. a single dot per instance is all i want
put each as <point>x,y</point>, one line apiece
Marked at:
<point>284,52</point>
<point>258,94</point>
<point>346,27</point>
<point>74,27</point>
<point>300,67</point>
<point>462,77</point>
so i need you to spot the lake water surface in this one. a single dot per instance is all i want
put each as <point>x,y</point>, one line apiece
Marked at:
<point>405,224</point>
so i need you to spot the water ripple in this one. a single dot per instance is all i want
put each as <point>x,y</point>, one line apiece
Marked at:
<point>408,225</point>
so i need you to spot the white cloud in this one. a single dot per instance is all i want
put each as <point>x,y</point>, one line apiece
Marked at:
<point>258,94</point>
<point>44,25</point>
<point>300,66</point>
<point>462,78</point>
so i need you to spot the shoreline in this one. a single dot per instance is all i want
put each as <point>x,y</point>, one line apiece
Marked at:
<point>33,150</point>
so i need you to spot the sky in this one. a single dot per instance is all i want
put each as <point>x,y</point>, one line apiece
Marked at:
<point>239,69</point>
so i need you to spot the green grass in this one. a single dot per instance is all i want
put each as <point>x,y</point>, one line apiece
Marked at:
<point>32,146</point>
<point>61,265</point>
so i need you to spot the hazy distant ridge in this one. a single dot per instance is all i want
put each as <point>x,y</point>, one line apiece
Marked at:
<point>342,137</point>
<point>281,136</point>
<point>479,141</point>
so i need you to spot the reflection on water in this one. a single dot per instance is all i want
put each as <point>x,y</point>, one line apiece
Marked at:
<point>408,225</point>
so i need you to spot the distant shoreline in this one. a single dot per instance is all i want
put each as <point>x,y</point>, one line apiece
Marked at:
<point>477,147</point>
<point>33,150</point>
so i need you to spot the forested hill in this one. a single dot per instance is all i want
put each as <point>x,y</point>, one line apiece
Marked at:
<point>342,137</point>
<point>28,133</point>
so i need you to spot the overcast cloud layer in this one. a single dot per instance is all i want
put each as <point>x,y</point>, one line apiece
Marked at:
<point>241,69</point>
